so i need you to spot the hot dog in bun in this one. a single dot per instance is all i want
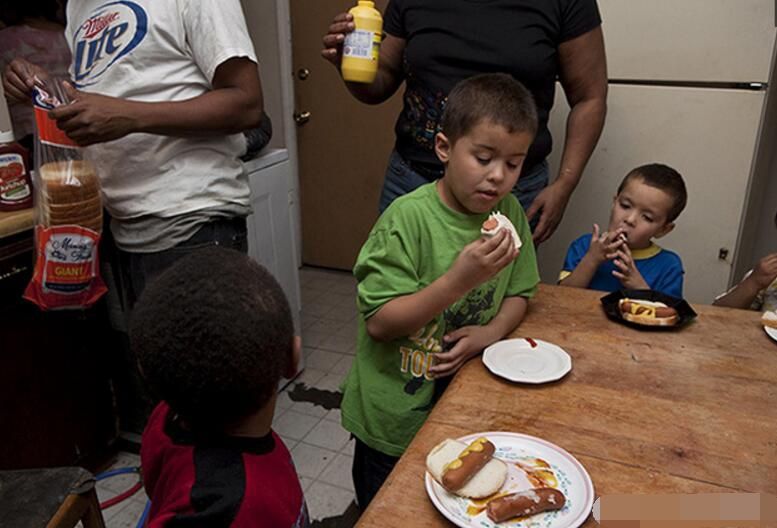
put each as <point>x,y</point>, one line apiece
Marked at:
<point>497,221</point>
<point>650,313</point>
<point>467,470</point>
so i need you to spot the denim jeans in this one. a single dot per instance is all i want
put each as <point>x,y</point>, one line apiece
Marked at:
<point>138,269</point>
<point>401,179</point>
<point>370,470</point>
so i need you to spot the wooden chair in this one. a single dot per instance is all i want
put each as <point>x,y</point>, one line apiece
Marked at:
<point>49,497</point>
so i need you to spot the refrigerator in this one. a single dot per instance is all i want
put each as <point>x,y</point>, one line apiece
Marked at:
<point>689,86</point>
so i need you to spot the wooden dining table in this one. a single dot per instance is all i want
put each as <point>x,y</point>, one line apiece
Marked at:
<point>688,410</point>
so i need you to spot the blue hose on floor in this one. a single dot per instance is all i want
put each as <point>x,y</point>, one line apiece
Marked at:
<point>142,519</point>
<point>117,471</point>
<point>126,494</point>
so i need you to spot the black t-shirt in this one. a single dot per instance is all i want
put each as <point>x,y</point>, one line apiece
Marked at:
<point>450,40</point>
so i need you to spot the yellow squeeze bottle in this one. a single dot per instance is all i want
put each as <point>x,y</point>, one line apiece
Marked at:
<point>362,46</point>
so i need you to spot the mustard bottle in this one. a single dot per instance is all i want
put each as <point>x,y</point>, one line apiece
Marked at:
<point>362,46</point>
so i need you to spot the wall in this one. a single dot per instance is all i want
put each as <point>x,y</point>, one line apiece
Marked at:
<point>262,20</point>
<point>5,118</point>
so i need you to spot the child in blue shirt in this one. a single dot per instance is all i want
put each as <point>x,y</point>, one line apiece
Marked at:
<point>648,201</point>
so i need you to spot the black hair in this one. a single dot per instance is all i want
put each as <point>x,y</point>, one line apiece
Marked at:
<point>665,178</point>
<point>213,335</point>
<point>496,97</point>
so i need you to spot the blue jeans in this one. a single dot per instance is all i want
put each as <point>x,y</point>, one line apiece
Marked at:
<point>138,269</point>
<point>370,470</point>
<point>401,179</point>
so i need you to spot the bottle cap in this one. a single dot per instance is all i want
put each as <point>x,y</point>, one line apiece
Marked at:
<point>6,136</point>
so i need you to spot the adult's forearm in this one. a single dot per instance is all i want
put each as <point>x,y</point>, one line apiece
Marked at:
<point>741,296</point>
<point>222,111</point>
<point>385,84</point>
<point>584,126</point>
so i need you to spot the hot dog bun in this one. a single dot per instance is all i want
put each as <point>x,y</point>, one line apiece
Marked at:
<point>486,481</point>
<point>497,221</point>
<point>649,313</point>
<point>769,318</point>
<point>525,503</point>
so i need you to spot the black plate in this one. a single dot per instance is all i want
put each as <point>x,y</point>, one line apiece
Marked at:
<point>684,311</point>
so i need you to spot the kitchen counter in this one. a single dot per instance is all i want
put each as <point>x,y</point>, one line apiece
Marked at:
<point>16,222</point>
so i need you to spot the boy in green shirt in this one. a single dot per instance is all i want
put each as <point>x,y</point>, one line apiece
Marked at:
<point>433,292</point>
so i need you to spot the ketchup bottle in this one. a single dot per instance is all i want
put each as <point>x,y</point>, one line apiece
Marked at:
<point>15,182</point>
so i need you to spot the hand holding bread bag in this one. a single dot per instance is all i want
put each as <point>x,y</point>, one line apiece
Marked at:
<point>68,212</point>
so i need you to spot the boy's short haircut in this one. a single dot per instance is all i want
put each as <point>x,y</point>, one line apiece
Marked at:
<point>496,97</point>
<point>665,178</point>
<point>213,335</point>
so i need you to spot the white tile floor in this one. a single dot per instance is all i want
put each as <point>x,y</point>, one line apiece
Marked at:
<point>321,449</point>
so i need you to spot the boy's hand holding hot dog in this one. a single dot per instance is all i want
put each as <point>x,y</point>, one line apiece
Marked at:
<point>477,263</point>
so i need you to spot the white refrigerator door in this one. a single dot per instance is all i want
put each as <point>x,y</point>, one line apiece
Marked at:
<point>689,40</point>
<point>708,135</point>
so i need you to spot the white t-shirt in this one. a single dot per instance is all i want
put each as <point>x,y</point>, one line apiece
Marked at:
<point>160,189</point>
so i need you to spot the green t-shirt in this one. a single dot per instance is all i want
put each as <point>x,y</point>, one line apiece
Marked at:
<point>388,392</point>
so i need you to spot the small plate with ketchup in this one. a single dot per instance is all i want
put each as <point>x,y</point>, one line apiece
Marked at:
<point>527,360</point>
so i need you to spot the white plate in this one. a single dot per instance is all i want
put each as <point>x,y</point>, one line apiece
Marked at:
<point>571,479</point>
<point>771,332</point>
<point>518,360</point>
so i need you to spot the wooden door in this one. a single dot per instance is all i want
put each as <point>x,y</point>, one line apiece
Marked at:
<point>343,146</point>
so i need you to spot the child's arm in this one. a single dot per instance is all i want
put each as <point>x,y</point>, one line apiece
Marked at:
<point>233,104</point>
<point>471,340</point>
<point>477,263</point>
<point>627,271</point>
<point>743,294</point>
<point>601,246</point>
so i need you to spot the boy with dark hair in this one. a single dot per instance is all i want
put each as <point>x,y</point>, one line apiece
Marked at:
<point>433,292</point>
<point>214,335</point>
<point>648,201</point>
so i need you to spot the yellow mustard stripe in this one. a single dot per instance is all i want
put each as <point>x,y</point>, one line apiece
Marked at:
<point>649,311</point>
<point>650,251</point>
<point>563,275</point>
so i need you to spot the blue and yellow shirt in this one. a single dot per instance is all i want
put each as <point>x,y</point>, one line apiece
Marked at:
<point>662,269</point>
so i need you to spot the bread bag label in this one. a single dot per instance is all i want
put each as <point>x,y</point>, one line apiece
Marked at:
<point>48,132</point>
<point>66,271</point>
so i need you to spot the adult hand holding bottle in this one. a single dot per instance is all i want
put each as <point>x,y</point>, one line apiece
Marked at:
<point>434,45</point>
<point>389,73</point>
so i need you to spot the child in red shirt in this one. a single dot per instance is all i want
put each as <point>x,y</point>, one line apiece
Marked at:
<point>213,335</point>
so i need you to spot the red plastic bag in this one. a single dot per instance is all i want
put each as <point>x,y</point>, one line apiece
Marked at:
<point>68,212</point>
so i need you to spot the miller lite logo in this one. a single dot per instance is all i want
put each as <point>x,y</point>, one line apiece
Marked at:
<point>113,31</point>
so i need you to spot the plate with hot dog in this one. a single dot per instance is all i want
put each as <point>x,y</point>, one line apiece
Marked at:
<point>526,360</point>
<point>499,479</point>
<point>647,309</point>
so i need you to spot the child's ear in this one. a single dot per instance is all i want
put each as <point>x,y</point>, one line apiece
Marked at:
<point>664,230</point>
<point>442,147</point>
<point>296,355</point>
